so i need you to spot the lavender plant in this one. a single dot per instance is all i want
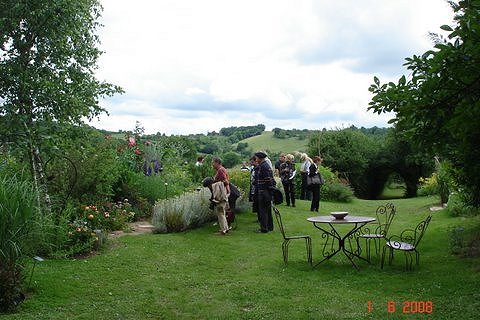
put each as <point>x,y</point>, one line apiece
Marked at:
<point>187,211</point>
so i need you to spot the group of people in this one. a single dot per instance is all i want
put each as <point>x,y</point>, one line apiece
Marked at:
<point>285,169</point>
<point>262,181</point>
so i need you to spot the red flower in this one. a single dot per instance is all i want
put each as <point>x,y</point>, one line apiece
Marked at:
<point>131,141</point>
<point>137,151</point>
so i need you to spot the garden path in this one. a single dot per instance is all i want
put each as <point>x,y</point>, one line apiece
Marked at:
<point>134,228</point>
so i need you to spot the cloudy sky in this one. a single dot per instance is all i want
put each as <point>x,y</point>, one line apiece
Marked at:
<point>195,66</point>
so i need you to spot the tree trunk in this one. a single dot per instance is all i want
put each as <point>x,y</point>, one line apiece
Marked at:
<point>39,180</point>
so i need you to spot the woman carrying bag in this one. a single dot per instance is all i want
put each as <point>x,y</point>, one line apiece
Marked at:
<point>314,182</point>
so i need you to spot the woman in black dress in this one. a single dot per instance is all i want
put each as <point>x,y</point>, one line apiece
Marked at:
<point>315,188</point>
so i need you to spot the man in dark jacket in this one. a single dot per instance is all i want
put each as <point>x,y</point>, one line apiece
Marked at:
<point>263,181</point>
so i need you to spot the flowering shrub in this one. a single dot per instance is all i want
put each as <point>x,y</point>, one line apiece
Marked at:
<point>81,237</point>
<point>87,231</point>
<point>111,216</point>
<point>428,186</point>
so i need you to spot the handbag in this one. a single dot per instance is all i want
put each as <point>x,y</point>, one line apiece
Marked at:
<point>314,180</point>
<point>277,196</point>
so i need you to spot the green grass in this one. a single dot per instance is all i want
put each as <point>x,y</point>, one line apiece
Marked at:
<point>199,275</point>
<point>267,142</point>
<point>392,193</point>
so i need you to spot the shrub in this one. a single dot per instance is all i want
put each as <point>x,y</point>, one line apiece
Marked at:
<point>198,173</point>
<point>336,192</point>
<point>108,217</point>
<point>189,210</point>
<point>464,242</point>
<point>81,238</point>
<point>241,179</point>
<point>457,206</point>
<point>17,215</point>
<point>231,159</point>
<point>428,186</point>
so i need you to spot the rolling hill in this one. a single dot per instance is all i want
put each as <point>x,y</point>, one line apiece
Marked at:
<point>266,141</point>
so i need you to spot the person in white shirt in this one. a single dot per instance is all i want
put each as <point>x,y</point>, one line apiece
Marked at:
<point>305,194</point>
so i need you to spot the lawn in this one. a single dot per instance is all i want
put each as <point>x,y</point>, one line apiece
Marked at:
<point>199,275</point>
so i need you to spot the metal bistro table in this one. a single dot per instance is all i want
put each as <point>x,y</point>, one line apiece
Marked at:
<point>329,249</point>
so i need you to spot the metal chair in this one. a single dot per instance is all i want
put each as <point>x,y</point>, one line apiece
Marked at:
<point>286,239</point>
<point>385,215</point>
<point>408,242</point>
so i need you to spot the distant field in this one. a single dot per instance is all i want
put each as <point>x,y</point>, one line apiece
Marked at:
<point>267,142</point>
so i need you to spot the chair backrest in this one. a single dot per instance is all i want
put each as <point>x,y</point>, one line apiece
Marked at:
<point>414,236</point>
<point>385,215</point>
<point>278,217</point>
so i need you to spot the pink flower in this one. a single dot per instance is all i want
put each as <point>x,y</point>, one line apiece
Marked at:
<point>137,151</point>
<point>131,141</point>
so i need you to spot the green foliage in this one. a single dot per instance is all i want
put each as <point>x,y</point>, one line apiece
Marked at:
<point>198,173</point>
<point>108,217</point>
<point>97,165</point>
<point>458,206</point>
<point>48,60</point>
<point>398,155</point>
<point>334,189</point>
<point>47,74</point>
<point>17,216</point>
<point>445,180</point>
<point>293,133</point>
<point>187,211</point>
<point>428,186</point>
<point>437,107</point>
<point>10,164</point>
<point>348,152</point>
<point>366,158</point>
<point>81,238</point>
<point>166,149</point>
<point>211,144</point>
<point>465,241</point>
<point>236,134</point>
<point>241,179</point>
<point>230,159</point>
<point>144,191</point>
<point>336,192</point>
<point>441,182</point>
<point>242,147</point>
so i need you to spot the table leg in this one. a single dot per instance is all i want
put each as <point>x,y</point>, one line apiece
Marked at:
<point>351,254</point>
<point>341,243</point>
<point>328,250</point>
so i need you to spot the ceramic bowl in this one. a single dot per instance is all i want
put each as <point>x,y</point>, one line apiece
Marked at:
<point>339,214</point>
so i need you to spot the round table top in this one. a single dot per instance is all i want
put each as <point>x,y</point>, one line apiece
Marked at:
<point>346,220</point>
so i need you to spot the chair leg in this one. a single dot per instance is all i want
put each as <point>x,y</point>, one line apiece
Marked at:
<point>308,243</point>
<point>390,258</point>
<point>408,260</point>
<point>285,251</point>
<point>376,242</point>
<point>367,248</point>
<point>383,257</point>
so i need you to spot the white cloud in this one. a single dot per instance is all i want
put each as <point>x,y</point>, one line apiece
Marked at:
<point>195,66</point>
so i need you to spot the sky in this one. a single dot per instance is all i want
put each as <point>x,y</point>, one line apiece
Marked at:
<point>196,66</point>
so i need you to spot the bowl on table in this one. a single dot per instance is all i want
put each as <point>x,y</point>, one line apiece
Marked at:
<point>339,215</point>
